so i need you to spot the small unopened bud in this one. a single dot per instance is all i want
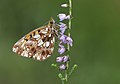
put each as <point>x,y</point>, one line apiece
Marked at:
<point>65,58</point>
<point>67,17</point>
<point>63,67</point>
<point>64,5</point>
<point>59,59</point>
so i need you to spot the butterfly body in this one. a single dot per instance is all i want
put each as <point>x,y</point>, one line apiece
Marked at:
<point>38,44</point>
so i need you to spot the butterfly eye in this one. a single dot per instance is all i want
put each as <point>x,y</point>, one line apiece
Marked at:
<point>51,22</point>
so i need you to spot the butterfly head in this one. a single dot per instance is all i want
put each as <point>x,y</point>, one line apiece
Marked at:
<point>52,21</point>
<point>52,24</point>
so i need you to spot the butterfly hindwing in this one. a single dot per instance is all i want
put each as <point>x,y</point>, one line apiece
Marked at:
<point>38,44</point>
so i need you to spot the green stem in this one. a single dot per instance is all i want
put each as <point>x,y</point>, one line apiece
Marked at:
<point>70,12</point>
<point>68,46</point>
<point>70,21</point>
<point>66,72</point>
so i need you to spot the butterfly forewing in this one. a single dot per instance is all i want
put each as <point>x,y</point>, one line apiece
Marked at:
<point>38,44</point>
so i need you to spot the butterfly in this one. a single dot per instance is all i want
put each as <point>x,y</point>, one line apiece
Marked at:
<point>39,43</point>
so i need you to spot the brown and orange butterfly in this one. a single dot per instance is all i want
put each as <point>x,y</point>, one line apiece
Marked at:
<point>39,43</point>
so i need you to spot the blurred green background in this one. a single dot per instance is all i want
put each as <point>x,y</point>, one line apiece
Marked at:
<point>95,31</point>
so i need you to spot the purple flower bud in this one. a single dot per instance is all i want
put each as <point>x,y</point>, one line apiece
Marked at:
<point>62,16</point>
<point>62,67</point>
<point>63,27</point>
<point>61,50</point>
<point>66,39</point>
<point>63,38</point>
<point>65,58</point>
<point>69,40</point>
<point>67,17</point>
<point>59,59</point>
<point>60,45</point>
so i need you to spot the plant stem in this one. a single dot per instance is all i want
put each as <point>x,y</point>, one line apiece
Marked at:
<point>68,46</point>
<point>70,13</point>
<point>70,21</point>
